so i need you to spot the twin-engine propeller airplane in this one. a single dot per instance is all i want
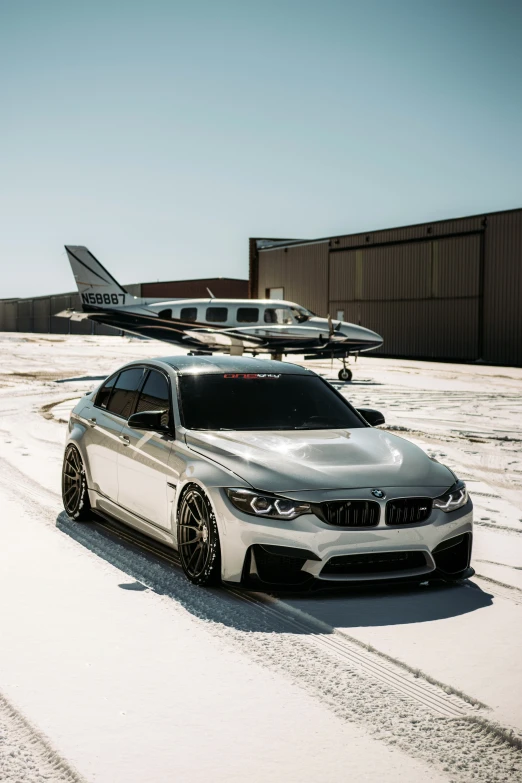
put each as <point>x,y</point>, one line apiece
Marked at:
<point>233,326</point>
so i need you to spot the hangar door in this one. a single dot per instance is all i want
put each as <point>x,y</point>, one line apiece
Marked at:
<point>423,297</point>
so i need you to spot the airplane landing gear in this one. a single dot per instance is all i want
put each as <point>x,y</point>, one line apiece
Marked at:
<point>345,374</point>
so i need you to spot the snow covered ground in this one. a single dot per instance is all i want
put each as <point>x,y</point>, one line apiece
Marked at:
<point>114,668</point>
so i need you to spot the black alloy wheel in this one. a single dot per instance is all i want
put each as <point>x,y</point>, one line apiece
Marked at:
<point>198,538</point>
<point>74,486</point>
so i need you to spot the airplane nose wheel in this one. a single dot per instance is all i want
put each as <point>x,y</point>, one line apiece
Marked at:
<point>345,374</point>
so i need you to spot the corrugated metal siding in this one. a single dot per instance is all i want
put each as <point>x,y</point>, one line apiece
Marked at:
<point>301,271</point>
<point>42,314</point>
<point>409,233</point>
<point>11,315</point>
<point>59,303</point>
<point>221,287</point>
<point>396,272</point>
<point>270,272</point>
<point>456,266</point>
<point>503,288</point>
<point>432,328</point>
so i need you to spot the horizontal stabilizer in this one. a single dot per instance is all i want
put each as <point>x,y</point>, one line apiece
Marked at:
<point>72,314</point>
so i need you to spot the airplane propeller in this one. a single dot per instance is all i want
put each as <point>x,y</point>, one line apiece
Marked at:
<point>331,328</point>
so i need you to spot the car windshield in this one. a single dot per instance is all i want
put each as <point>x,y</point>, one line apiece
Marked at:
<point>239,401</point>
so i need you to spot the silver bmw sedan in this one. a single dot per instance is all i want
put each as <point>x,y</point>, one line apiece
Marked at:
<point>259,473</point>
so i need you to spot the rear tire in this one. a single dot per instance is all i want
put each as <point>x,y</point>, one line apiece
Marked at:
<point>345,375</point>
<point>198,538</point>
<point>75,495</point>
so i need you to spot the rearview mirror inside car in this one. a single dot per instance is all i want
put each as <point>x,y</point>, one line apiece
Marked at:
<point>148,420</point>
<point>372,417</point>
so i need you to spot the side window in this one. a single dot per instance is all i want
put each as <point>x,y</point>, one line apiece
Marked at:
<point>102,398</point>
<point>155,396</point>
<point>189,314</point>
<point>279,315</point>
<point>167,313</point>
<point>217,314</point>
<point>124,393</point>
<point>248,315</point>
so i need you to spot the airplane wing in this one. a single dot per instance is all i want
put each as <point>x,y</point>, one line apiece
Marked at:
<point>222,338</point>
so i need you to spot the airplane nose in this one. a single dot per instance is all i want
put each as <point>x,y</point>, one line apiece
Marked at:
<point>366,337</point>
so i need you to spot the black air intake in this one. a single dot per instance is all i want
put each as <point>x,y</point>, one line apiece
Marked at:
<point>350,513</point>
<point>408,511</point>
<point>374,563</point>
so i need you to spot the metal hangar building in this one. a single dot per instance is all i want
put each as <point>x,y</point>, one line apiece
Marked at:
<point>448,290</point>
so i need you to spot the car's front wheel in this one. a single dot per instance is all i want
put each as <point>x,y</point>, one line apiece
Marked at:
<point>74,486</point>
<point>198,538</point>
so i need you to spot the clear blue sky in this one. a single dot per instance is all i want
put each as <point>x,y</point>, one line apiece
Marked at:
<point>162,134</point>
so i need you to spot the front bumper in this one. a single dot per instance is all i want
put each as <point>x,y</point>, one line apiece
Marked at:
<point>306,550</point>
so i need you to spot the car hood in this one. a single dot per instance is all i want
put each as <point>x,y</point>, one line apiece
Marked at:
<point>321,459</point>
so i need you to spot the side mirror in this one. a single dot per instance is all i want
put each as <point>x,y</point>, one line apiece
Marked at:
<point>372,417</point>
<point>148,420</point>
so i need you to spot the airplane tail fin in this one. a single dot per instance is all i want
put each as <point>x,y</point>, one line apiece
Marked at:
<point>95,284</point>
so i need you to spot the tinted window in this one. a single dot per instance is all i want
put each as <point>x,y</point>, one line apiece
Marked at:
<point>102,398</point>
<point>155,396</point>
<point>218,314</point>
<point>256,402</point>
<point>247,315</point>
<point>124,394</point>
<point>189,314</point>
<point>167,313</point>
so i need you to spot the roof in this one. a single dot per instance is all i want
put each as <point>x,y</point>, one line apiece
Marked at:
<point>191,365</point>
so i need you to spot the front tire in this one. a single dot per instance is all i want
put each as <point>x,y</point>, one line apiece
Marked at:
<point>198,538</point>
<point>75,495</point>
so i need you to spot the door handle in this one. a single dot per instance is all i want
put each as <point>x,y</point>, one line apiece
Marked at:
<point>92,422</point>
<point>125,440</point>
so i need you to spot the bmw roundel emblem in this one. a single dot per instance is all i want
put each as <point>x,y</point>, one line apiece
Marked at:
<point>378,493</point>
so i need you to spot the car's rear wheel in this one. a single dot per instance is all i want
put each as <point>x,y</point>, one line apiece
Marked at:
<point>198,538</point>
<point>74,486</point>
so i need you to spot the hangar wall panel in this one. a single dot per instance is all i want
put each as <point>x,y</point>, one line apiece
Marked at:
<point>42,314</point>
<point>410,233</point>
<point>424,329</point>
<point>11,316</point>
<point>221,287</point>
<point>301,271</point>
<point>503,288</point>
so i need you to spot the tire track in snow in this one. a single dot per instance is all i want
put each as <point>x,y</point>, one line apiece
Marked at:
<point>466,745</point>
<point>26,754</point>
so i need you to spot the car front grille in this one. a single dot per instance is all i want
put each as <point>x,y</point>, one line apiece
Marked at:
<point>408,511</point>
<point>374,563</point>
<point>350,513</point>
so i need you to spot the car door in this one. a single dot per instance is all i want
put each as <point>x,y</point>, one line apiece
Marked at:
<point>101,441</point>
<point>143,458</point>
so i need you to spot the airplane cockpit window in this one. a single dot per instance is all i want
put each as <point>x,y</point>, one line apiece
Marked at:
<point>165,313</point>
<point>301,314</point>
<point>278,315</point>
<point>189,314</point>
<point>217,314</point>
<point>247,315</point>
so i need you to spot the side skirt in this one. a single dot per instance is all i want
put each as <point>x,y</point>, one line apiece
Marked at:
<point>105,507</point>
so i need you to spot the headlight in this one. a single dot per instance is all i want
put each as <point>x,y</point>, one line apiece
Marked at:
<point>454,498</point>
<point>264,505</point>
